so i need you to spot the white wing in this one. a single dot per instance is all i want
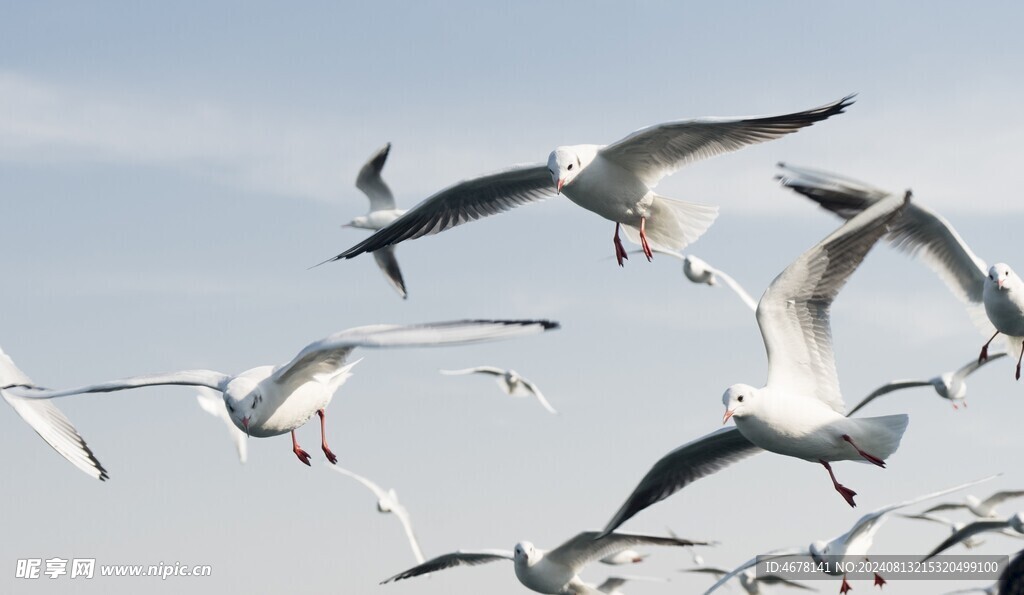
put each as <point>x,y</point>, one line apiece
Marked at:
<point>999,497</point>
<point>207,378</point>
<point>491,370</point>
<point>592,545</point>
<point>683,466</point>
<point>973,365</point>
<point>388,264</point>
<point>749,301</point>
<point>212,402</point>
<point>466,201</point>
<point>888,388</point>
<point>459,558</point>
<point>325,356</point>
<point>372,185</point>
<point>540,396</point>
<point>920,232</point>
<point>398,510</point>
<point>657,151</point>
<point>794,311</point>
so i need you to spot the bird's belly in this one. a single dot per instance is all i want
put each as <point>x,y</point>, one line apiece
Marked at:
<point>544,577</point>
<point>1005,313</point>
<point>808,437</point>
<point>380,219</point>
<point>611,191</point>
<point>293,411</point>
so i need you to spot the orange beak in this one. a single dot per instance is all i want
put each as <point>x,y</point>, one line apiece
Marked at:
<point>558,187</point>
<point>728,414</point>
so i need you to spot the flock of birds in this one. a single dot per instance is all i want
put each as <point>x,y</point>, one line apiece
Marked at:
<point>799,412</point>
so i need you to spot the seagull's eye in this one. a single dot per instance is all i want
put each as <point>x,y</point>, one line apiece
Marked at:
<point>570,167</point>
<point>230,408</point>
<point>740,398</point>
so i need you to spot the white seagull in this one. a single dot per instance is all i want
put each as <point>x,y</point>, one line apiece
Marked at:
<point>799,412</point>
<point>554,572</point>
<point>994,295</point>
<point>509,381</point>
<point>611,585</point>
<point>1014,523</point>
<point>701,273</point>
<point>850,547</point>
<point>949,385</point>
<point>382,213</point>
<point>985,509</point>
<point>387,501</point>
<point>749,580</point>
<point>614,181</point>
<point>272,400</point>
<point>47,421</point>
<point>213,403</point>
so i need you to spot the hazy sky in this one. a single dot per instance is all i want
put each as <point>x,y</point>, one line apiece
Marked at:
<point>168,173</point>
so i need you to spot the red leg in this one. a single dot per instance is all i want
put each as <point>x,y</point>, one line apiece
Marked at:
<point>303,455</point>
<point>871,458</point>
<point>323,438</point>
<point>955,407</point>
<point>643,240</point>
<point>984,348</point>
<point>879,581</point>
<point>844,491</point>
<point>845,587</point>
<point>1019,358</point>
<point>620,252</point>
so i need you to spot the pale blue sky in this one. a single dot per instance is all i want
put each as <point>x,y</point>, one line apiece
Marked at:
<point>169,172</point>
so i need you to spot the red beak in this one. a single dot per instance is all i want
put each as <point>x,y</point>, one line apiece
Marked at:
<point>999,283</point>
<point>725,418</point>
<point>245,424</point>
<point>558,188</point>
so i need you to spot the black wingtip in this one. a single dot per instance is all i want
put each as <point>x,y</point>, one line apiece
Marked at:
<point>907,196</point>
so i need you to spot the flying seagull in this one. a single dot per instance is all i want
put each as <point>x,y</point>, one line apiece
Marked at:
<point>749,579</point>
<point>1015,523</point>
<point>994,295</point>
<point>701,273</point>
<point>272,400</point>
<point>615,181</point>
<point>382,212</point>
<point>387,501</point>
<point>985,509</point>
<point>799,412</point>
<point>510,382</point>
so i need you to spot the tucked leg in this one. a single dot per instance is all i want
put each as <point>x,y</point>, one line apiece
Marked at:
<point>984,348</point>
<point>303,455</point>
<point>867,456</point>
<point>323,438</point>
<point>643,239</point>
<point>844,491</point>
<point>620,252</point>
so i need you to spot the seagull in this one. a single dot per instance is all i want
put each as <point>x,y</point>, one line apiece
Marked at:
<point>969,543</point>
<point>272,400</point>
<point>213,403</point>
<point>1015,523</point>
<point>614,181</point>
<point>510,382</point>
<point>985,509</point>
<point>702,273</point>
<point>629,556</point>
<point>553,572</point>
<point>994,295</point>
<point>851,546</point>
<point>799,413</point>
<point>387,501</point>
<point>47,421</point>
<point>611,585</point>
<point>949,385</point>
<point>749,580</point>
<point>382,213</point>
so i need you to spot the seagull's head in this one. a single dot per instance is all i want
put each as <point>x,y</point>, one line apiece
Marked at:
<point>697,270</point>
<point>1003,276</point>
<point>818,551</point>
<point>242,398</point>
<point>739,400</point>
<point>525,553</point>
<point>361,222</point>
<point>564,164</point>
<point>387,503</point>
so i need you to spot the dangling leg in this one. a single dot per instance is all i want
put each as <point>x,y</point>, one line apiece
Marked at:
<point>871,458</point>
<point>1019,358</point>
<point>845,587</point>
<point>643,240</point>
<point>844,491</point>
<point>303,455</point>
<point>620,252</point>
<point>879,581</point>
<point>984,349</point>
<point>323,438</point>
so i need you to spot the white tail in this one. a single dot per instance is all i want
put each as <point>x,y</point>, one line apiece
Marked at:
<point>880,436</point>
<point>673,224</point>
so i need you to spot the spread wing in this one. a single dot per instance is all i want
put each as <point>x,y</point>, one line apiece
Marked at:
<point>460,558</point>
<point>490,370</point>
<point>973,365</point>
<point>372,185</point>
<point>999,497</point>
<point>388,264</point>
<point>794,311</point>
<point>683,466</point>
<point>736,287</point>
<point>212,402</point>
<point>539,395</point>
<point>657,151</point>
<point>888,388</point>
<point>592,545</point>
<point>468,200</point>
<point>208,378</point>
<point>966,533</point>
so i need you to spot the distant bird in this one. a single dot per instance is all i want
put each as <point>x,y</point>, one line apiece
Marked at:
<point>1015,523</point>
<point>47,421</point>
<point>624,557</point>
<point>213,403</point>
<point>949,385</point>
<point>611,584</point>
<point>614,181</point>
<point>700,272</point>
<point>994,295</point>
<point>554,572</point>
<point>953,526</point>
<point>387,501</point>
<point>509,381</point>
<point>382,213</point>
<point>749,580</point>
<point>985,509</point>
<point>272,400</point>
<point>850,547</point>
<point>799,412</point>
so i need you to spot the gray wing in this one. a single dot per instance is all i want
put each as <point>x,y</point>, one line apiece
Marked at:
<point>973,365</point>
<point>706,570</point>
<point>325,356</point>
<point>888,388</point>
<point>539,395</point>
<point>452,560</point>
<point>466,201</point>
<point>794,311</point>
<point>753,562</point>
<point>490,370</point>
<point>614,582</point>
<point>683,466</point>
<point>945,506</point>
<point>999,497</point>
<point>207,378</point>
<point>920,232</point>
<point>657,151</point>
<point>966,533</point>
<point>388,264</point>
<point>588,546</point>
<point>372,185</point>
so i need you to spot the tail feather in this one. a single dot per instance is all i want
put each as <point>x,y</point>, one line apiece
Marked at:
<point>880,436</point>
<point>673,224</point>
